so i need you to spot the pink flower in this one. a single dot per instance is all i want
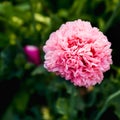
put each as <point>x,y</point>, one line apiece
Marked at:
<point>32,53</point>
<point>78,52</point>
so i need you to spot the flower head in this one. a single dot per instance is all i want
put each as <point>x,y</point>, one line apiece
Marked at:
<point>32,53</point>
<point>78,52</point>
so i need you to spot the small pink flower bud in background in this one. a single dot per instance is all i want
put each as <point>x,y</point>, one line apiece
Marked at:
<point>33,54</point>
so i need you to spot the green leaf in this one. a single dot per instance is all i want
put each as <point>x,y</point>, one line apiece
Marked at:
<point>20,60</point>
<point>9,114</point>
<point>39,70</point>
<point>21,101</point>
<point>116,104</point>
<point>4,41</point>
<point>62,106</point>
<point>23,7</point>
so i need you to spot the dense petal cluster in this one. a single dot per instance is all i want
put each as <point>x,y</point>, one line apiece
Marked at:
<point>78,52</point>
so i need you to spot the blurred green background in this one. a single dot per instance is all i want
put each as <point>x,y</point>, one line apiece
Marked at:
<point>29,92</point>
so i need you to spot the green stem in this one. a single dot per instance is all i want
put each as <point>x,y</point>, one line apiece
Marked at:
<point>106,104</point>
<point>33,17</point>
<point>77,7</point>
<point>72,103</point>
<point>112,18</point>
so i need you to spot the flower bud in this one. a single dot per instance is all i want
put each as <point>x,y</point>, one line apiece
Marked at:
<point>33,54</point>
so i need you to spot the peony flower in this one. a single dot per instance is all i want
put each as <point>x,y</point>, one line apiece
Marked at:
<point>79,53</point>
<point>32,53</point>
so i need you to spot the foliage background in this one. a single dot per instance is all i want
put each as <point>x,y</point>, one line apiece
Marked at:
<point>29,92</point>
